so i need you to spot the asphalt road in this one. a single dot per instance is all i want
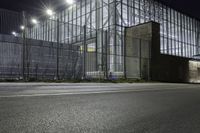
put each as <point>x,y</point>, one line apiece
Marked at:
<point>99,108</point>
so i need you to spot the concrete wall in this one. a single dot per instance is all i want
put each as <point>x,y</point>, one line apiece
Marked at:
<point>175,69</point>
<point>194,73</point>
<point>138,42</point>
<point>161,67</point>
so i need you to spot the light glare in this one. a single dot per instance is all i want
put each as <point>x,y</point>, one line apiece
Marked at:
<point>22,27</point>
<point>14,33</point>
<point>70,2</point>
<point>49,12</point>
<point>34,21</point>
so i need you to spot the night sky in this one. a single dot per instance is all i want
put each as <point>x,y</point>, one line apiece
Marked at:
<point>190,7</point>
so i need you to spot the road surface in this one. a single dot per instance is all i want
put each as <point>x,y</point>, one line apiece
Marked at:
<point>99,108</point>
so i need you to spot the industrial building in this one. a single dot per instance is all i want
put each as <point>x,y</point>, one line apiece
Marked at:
<point>102,31</point>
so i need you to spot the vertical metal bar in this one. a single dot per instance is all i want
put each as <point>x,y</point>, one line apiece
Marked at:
<point>84,54</point>
<point>76,27</point>
<point>115,35</point>
<point>190,36</point>
<point>170,27</point>
<point>139,11</point>
<point>181,34</point>
<point>58,47</point>
<point>97,27</point>
<point>167,29</point>
<point>125,35</point>
<point>64,39</point>
<point>23,46</point>
<point>121,45</point>
<point>178,33</point>
<point>106,54</point>
<point>185,35</point>
<point>102,40</point>
<point>108,36</point>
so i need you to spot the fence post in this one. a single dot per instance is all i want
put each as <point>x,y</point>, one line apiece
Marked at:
<point>84,54</point>
<point>23,45</point>
<point>106,54</point>
<point>125,37</point>
<point>58,47</point>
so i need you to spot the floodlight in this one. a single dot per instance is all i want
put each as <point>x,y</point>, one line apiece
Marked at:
<point>34,21</point>
<point>22,27</point>
<point>49,12</point>
<point>14,33</point>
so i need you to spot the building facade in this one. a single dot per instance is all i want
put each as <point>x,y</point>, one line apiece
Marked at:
<point>105,22</point>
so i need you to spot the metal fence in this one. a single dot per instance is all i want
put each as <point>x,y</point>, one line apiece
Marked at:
<point>38,60</point>
<point>9,21</point>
